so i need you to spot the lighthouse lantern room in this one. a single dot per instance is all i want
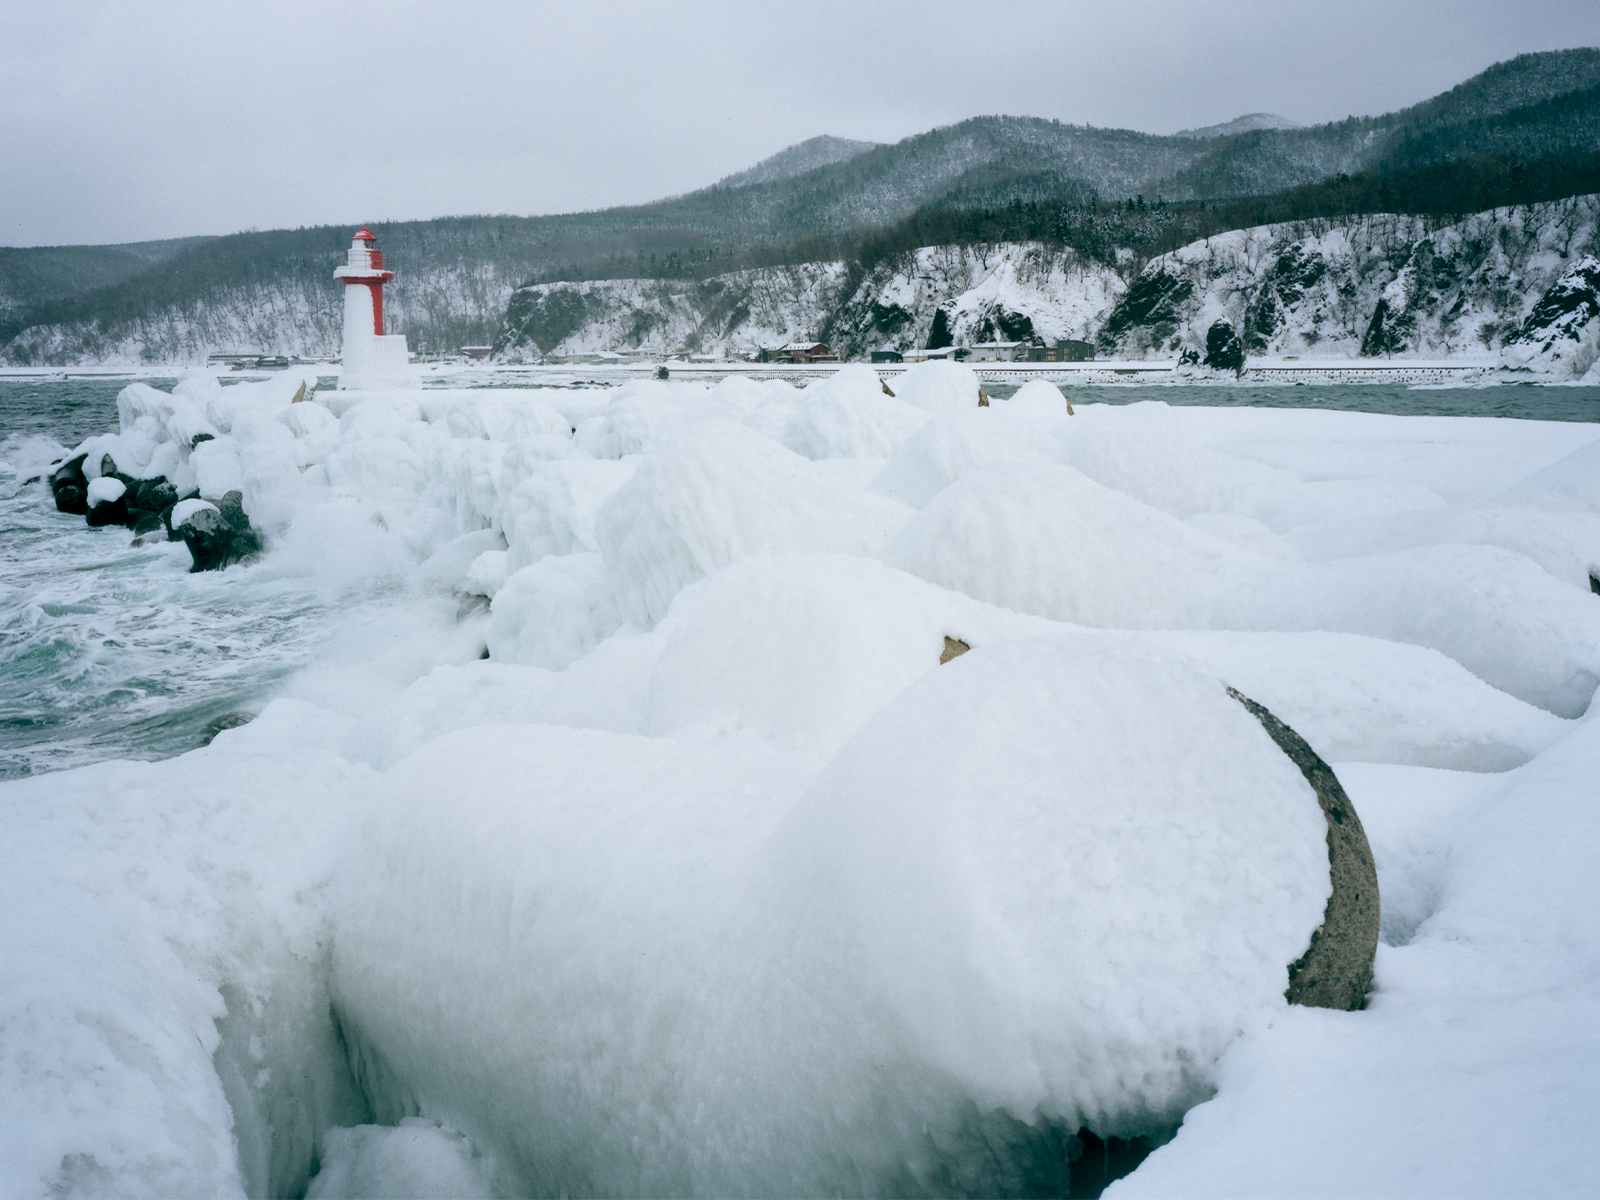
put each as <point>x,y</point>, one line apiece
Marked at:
<point>372,359</point>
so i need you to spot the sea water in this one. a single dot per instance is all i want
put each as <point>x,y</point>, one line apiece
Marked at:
<point>108,650</point>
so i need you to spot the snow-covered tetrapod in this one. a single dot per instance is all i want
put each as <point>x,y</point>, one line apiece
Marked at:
<point>372,359</point>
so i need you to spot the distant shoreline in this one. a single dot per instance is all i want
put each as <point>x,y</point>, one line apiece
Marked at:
<point>1105,371</point>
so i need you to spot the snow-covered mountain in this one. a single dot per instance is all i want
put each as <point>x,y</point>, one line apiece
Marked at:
<point>1523,131</point>
<point>1367,285</point>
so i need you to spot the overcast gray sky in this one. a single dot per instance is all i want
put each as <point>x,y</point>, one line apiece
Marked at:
<point>128,121</point>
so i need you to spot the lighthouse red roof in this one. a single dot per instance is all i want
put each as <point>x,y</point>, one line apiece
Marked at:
<point>365,235</point>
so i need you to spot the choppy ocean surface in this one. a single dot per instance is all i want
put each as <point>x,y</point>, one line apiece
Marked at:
<point>112,651</point>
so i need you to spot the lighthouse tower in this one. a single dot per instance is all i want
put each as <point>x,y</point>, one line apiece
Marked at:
<point>372,359</point>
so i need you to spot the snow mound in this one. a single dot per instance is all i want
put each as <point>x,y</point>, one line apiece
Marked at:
<point>1364,699</point>
<point>380,1162</point>
<point>1049,541</point>
<point>804,648</point>
<point>1036,398</point>
<point>848,415</point>
<point>728,494</point>
<point>939,386</point>
<point>981,920</point>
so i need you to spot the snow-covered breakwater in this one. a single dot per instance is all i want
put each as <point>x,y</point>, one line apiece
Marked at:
<point>712,879</point>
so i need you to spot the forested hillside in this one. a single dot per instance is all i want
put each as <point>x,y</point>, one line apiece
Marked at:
<point>1379,284</point>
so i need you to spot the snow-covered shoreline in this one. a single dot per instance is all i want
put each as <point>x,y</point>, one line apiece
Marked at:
<point>711,879</point>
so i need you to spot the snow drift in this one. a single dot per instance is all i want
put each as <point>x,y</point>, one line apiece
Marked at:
<point>712,879</point>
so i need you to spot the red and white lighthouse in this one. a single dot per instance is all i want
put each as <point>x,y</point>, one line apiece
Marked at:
<point>364,277</point>
<point>371,358</point>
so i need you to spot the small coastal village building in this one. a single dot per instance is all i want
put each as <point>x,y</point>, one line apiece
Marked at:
<point>997,351</point>
<point>802,353</point>
<point>953,353</point>
<point>1063,351</point>
<point>477,351</point>
<point>887,356</point>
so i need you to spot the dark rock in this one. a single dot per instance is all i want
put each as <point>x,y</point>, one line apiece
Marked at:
<point>1224,350</point>
<point>1381,336</point>
<point>890,319</point>
<point>70,487</point>
<point>148,529</point>
<point>1336,969</point>
<point>218,537</point>
<point>953,648</point>
<point>152,496</point>
<point>1189,356</point>
<point>230,720</point>
<point>110,512</point>
<point>1261,321</point>
<point>539,318</point>
<point>1155,302</point>
<point>1594,584</point>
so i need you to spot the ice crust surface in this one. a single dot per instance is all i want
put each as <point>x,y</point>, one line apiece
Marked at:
<point>712,880</point>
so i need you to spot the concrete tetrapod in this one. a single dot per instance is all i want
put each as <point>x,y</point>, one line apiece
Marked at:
<point>1336,969</point>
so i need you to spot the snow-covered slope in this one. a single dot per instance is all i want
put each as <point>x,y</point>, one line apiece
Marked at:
<point>971,293</point>
<point>1374,285</point>
<point>280,315</point>
<point>964,295</point>
<point>1369,285</point>
<point>735,313</point>
<point>798,159</point>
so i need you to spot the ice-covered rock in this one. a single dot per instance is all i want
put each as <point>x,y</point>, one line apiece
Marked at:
<point>848,416</point>
<point>775,984</point>
<point>217,535</point>
<point>1562,333</point>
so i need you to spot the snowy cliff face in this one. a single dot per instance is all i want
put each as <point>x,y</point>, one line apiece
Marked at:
<point>963,295</point>
<point>736,313</point>
<point>1375,285</point>
<point>1562,333</point>
<point>1378,285</point>
<point>939,294</point>
<point>281,318</point>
